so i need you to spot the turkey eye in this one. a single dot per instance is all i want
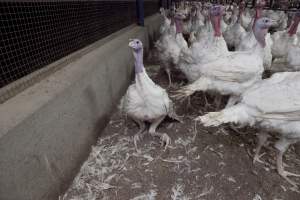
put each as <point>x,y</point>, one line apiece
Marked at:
<point>137,42</point>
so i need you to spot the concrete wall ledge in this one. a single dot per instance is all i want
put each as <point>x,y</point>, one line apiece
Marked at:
<point>47,130</point>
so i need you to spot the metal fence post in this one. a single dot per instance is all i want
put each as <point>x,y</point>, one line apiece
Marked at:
<point>140,12</point>
<point>253,3</point>
<point>166,3</point>
<point>163,4</point>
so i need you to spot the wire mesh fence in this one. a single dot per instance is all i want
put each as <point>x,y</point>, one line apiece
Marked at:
<point>35,33</point>
<point>271,4</point>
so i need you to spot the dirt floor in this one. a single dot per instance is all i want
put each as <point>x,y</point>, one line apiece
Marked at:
<point>201,163</point>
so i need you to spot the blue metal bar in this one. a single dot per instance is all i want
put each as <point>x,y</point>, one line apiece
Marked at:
<point>140,12</point>
<point>169,4</point>
<point>162,4</point>
<point>166,3</point>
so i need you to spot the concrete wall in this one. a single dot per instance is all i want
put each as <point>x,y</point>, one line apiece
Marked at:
<point>46,131</point>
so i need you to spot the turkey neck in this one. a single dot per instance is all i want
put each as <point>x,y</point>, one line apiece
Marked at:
<point>207,20</point>
<point>258,12</point>
<point>172,20</point>
<point>293,28</point>
<point>260,35</point>
<point>216,22</point>
<point>138,62</point>
<point>241,10</point>
<point>178,24</point>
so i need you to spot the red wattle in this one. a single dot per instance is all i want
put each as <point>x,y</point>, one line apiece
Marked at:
<point>216,21</point>
<point>258,12</point>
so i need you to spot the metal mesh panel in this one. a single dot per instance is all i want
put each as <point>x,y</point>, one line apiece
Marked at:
<point>35,33</point>
<point>272,4</point>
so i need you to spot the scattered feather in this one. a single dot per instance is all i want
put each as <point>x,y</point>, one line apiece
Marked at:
<point>257,197</point>
<point>136,185</point>
<point>231,179</point>
<point>205,191</point>
<point>178,193</point>
<point>150,196</point>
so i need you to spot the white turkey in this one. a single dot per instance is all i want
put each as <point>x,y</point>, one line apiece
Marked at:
<point>188,22</point>
<point>246,19</point>
<point>235,32</point>
<point>224,26</point>
<point>229,12</point>
<point>279,16</point>
<point>249,39</point>
<point>293,57</point>
<point>284,39</point>
<point>166,25</point>
<point>211,46</point>
<point>183,8</point>
<point>206,30</point>
<point>234,72</point>
<point>145,101</point>
<point>198,20</point>
<point>170,45</point>
<point>290,48</point>
<point>274,104</point>
<point>192,38</point>
<point>181,42</point>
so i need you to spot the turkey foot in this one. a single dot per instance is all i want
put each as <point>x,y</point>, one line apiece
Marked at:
<point>235,128</point>
<point>207,104</point>
<point>262,138</point>
<point>165,139</point>
<point>189,103</point>
<point>218,101</point>
<point>163,136</point>
<point>168,71</point>
<point>140,134</point>
<point>284,173</point>
<point>138,137</point>
<point>257,157</point>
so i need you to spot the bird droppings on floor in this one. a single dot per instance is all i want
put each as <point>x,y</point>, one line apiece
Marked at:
<point>201,163</point>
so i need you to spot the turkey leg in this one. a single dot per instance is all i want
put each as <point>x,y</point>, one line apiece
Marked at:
<point>140,134</point>
<point>163,136</point>
<point>282,145</point>
<point>218,101</point>
<point>262,138</point>
<point>168,71</point>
